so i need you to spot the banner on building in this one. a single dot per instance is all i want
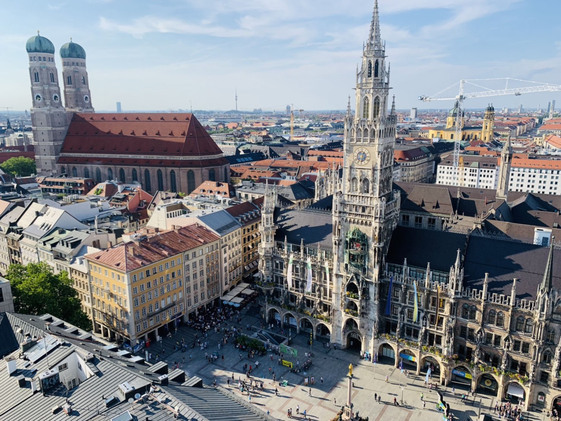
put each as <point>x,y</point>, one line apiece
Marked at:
<point>309,275</point>
<point>289,271</point>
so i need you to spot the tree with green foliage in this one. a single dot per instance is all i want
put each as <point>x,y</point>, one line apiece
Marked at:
<point>20,166</point>
<point>37,290</point>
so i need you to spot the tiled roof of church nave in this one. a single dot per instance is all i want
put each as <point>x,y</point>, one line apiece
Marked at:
<point>142,134</point>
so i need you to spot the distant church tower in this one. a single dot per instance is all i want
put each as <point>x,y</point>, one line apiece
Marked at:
<point>77,96</point>
<point>452,115</point>
<point>365,209</point>
<point>488,128</point>
<point>48,116</point>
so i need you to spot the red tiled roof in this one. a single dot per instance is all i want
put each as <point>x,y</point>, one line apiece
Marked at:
<point>554,141</point>
<point>134,255</point>
<point>139,134</point>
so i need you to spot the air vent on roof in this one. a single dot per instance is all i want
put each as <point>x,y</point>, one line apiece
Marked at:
<point>171,133</point>
<point>149,118</point>
<point>114,118</point>
<point>132,133</point>
<point>162,118</point>
<point>175,118</point>
<point>183,133</point>
<point>121,132</point>
<point>158,133</point>
<point>126,118</point>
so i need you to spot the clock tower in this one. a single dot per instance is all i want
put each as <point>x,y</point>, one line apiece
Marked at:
<point>365,209</point>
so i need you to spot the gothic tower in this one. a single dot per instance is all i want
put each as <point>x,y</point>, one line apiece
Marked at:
<point>365,209</point>
<point>77,96</point>
<point>504,171</point>
<point>488,124</point>
<point>48,117</point>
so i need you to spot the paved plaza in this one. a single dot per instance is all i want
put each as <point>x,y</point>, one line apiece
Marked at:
<point>322,400</point>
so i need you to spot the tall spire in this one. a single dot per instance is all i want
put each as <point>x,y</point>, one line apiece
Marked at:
<point>375,38</point>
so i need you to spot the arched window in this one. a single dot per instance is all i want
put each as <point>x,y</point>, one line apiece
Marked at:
<point>550,337</point>
<point>370,69</point>
<point>63,170</point>
<point>354,185</point>
<point>172,182</point>
<point>472,313</point>
<point>376,107</point>
<point>83,80</point>
<point>546,357</point>
<point>69,80</point>
<point>160,177</point>
<point>36,76</point>
<point>86,172</point>
<point>376,69</point>
<point>212,174</point>
<point>74,172</point>
<point>147,181</point>
<point>109,174</point>
<point>491,317</point>
<point>122,175</point>
<point>529,326</point>
<point>465,311</point>
<point>134,175</point>
<point>365,108</point>
<point>365,185</point>
<point>52,76</point>
<point>226,174</point>
<point>500,319</point>
<point>520,323</point>
<point>190,181</point>
<point>97,175</point>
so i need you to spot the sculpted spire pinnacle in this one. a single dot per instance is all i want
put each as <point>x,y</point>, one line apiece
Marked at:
<point>375,38</point>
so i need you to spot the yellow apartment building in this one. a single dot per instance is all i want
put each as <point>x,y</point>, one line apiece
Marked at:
<point>139,288</point>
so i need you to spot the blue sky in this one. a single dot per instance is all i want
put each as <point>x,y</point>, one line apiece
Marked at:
<point>178,54</point>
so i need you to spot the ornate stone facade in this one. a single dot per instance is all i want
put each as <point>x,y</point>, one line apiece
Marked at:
<point>483,313</point>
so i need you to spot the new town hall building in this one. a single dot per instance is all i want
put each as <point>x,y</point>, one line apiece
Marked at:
<point>463,282</point>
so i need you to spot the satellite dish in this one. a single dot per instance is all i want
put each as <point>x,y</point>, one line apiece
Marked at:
<point>131,400</point>
<point>137,396</point>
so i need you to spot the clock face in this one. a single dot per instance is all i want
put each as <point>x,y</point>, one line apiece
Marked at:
<point>362,156</point>
<point>38,98</point>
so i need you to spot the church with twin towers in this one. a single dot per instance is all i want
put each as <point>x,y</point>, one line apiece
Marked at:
<point>50,113</point>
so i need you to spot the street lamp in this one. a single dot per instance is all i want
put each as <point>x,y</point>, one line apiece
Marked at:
<point>402,388</point>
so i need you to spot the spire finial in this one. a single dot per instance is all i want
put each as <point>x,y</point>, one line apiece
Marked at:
<point>393,105</point>
<point>349,106</point>
<point>37,31</point>
<point>375,38</point>
<point>70,39</point>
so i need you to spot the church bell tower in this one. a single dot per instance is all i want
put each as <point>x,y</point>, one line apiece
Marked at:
<point>366,209</point>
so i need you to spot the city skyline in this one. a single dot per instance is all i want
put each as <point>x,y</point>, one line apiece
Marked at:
<point>190,55</point>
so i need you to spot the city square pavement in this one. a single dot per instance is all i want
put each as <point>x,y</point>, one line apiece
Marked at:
<point>322,400</point>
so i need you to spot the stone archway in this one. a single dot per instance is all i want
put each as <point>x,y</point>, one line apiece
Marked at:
<point>290,321</point>
<point>430,362</point>
<point>306,325</point>
<point>407,360</point>
<point>487,384</point>
<point>386,354</point>
<point>461,377</point>
<point>323,331</point>
<point>514,392</point>
<point>354,341</point>
<point>273,315</point>
<point>556,404</point>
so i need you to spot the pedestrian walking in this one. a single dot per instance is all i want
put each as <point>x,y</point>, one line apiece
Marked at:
<point>335,401</point>
<point>321,380</point>
<point>375,397</point>
<point>309,391</point>
<point>297,409</point>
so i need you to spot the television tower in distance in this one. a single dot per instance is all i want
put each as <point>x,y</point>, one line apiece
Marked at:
<point>236,97</point>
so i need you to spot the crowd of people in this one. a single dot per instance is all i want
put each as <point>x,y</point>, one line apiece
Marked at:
<point>508,411</point>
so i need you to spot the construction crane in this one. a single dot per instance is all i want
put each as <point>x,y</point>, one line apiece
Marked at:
<point>484,93</point>
<point>292,121</point>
